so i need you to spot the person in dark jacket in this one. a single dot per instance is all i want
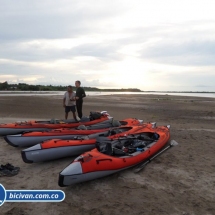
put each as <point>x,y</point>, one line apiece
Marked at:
<point>80,94</point>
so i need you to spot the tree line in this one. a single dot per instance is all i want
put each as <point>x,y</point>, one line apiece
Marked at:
<point>31,87</point>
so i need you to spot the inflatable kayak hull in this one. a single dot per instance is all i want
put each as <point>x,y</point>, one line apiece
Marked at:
<point>66,179</point>
<point>95,164</point>
<point>36,154</point>
<point>32,138</point>
<point>17,140</point>
<point>20,127</point>
<point>63,148</point>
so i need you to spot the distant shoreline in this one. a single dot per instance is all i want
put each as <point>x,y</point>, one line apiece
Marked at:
<point>105,93</point>
<point>96,91</point>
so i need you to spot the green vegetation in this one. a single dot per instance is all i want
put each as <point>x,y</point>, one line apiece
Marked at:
<point>27,87</point>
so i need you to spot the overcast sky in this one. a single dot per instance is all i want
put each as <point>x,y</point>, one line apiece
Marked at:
<point>145,44</point>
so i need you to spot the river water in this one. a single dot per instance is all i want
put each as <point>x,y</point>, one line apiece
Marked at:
<point>96,93</point>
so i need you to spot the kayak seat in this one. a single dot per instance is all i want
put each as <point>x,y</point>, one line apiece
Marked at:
<point>116,123</point>
<point>148,136</point>
<point>104,147</point>
<point>123,123</point>
<point>99,136</point>
<point>118,152</point>
<point>114,131</point>
<point>94,115</point>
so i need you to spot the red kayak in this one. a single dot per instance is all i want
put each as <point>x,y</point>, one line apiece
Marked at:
<point>20,127</point>
<point>31,138</point>
<point>111,156</point>
<point>57,148</point>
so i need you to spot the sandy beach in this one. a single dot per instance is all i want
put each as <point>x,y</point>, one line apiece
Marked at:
<point>179,182</point>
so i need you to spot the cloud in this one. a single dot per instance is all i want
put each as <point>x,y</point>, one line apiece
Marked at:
<point>42,51</point>
<point>185,45</point>
<point>192,53</point>
<point>54,19</point>
<point>149,45</point>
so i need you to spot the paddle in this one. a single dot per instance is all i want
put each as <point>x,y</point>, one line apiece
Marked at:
<point>141,166</point>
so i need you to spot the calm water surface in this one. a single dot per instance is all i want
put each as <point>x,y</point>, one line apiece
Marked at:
<point>93,93</point>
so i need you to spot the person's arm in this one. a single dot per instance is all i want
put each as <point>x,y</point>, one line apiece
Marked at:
<point>77,94</point>
<point>64,100</point>
<point>83,93</point>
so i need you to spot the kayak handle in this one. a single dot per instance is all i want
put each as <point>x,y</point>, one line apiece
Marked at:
<point>97,161</point>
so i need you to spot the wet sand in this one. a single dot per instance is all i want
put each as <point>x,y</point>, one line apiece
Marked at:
<point>180,181</point>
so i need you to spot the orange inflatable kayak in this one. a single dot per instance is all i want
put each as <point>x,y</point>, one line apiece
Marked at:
<point>58,148</point>
<point>31,138</point>
<point>20,127</point>
<point>111,156</point>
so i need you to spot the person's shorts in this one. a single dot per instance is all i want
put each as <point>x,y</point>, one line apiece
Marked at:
<point>70,108</point>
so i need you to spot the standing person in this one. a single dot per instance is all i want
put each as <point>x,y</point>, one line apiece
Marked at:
<point>69,102</point>
<point>80,94</point>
